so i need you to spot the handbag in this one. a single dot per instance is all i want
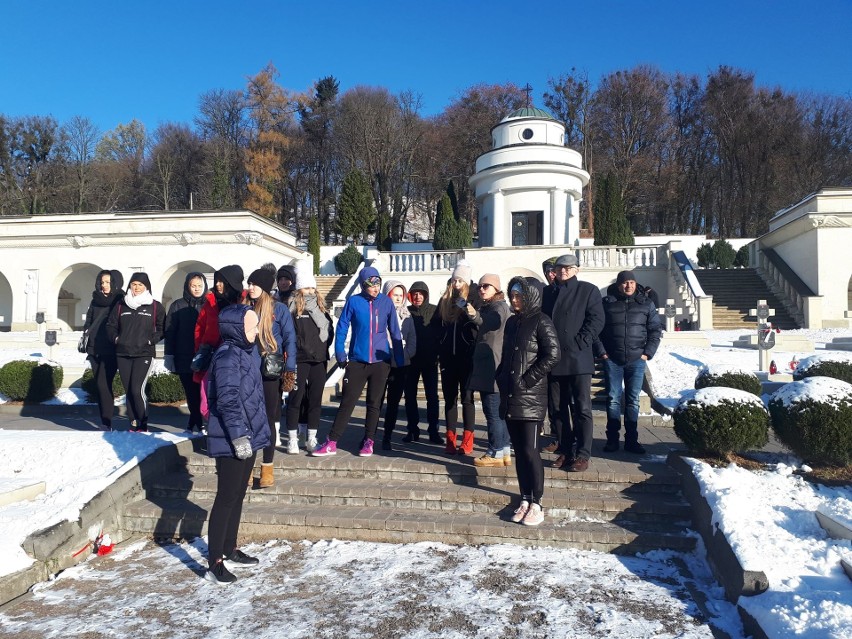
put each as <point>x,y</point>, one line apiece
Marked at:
<point>83,342</point>
<point>272,366</point>
<point>202,359</point>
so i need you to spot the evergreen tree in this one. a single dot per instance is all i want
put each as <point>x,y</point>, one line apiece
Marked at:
<point>611,225</point>
<point>454,201</point>
<point>383,236</point>
<point>355,206</point>
<point>314,243</point>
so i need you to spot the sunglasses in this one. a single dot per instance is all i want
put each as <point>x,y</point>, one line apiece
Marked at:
<point>486,286</point>
<point>373,281</point>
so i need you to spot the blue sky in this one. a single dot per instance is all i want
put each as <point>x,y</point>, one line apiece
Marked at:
<point>150,60</point>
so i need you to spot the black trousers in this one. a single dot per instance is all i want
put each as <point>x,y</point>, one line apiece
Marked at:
<point>134,373</point>
<point>272,399</point>
<point>305,400</point>
<point>572,395</point>
<point>231,485</point>
<point>429,373</point>
<point>192,390</point>
<point>524,436</point>
<point>455,375</point>
<point>358,374</point>
<point>395,388</point>
<point>103,372</point>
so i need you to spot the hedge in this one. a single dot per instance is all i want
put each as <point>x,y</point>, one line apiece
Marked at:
<point>821,366</point>
<point>162,388</point>
<point>719,421</point>
<point>346,262</point>
<point>728,378</point>
<point>29,381</point>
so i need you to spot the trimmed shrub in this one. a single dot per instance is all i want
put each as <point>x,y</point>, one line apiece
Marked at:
<point>87,383</point>
<point>29,381</point>
<point>719,421</point>
<point>347,261</point>
<point>164,388</point>
<point>710,376</point>
<point>813,418</point>
<point>835,366</point>
<point>743,257</point>
<point>723,254</point>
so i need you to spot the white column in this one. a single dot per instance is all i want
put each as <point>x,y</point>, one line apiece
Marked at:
<point>498,219</point>
<point>549,219</point>
<point>572,217</point>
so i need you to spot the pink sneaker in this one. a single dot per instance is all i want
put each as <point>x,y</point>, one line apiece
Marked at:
<point>366,448</point>
<point>328,448</point>
<point>534,516</point>
<point>520,511</point>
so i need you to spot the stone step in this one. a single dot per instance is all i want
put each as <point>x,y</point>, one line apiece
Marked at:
<point>659,511</point>
<point>180,518</point>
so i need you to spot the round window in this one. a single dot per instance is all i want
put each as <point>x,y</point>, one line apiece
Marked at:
<point>527,134</point>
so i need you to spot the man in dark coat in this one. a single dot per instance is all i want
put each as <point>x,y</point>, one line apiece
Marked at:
<point>630,337</point>
<point>424,363</point>
<point>578,317</point>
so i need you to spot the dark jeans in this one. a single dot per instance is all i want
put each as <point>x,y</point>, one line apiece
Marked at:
<point>272,399</point>
<point>623,381</point>
<point>103,372</point>
<point>358,374</point>
<point>528,464</point>
<point>306,398</point>
<point>395,388</point>
<point>455,375</point>
<point>429,373</point>
<point>572,395</point>
<point>192,390</point>
<point>134,373</point>
<point>498,433</point>
<point>231,485</point>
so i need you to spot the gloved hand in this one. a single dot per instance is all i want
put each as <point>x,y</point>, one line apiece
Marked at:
<point>242,447</point>
<point>169,363</point>
<point>288,381</point>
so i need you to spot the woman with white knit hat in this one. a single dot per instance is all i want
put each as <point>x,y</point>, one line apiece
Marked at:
<point>314,337</point>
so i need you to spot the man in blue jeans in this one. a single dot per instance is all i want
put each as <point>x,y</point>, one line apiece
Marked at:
<point>630,337</point>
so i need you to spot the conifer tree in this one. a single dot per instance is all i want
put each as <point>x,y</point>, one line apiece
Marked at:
<point>611,225</point>
<point>355,206</point>
<point>314,243</point>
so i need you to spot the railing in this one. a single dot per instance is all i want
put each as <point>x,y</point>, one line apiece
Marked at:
<point>422,261</point>
<point>699,305</point>
<point>797,296</point>
<point>622,257</point>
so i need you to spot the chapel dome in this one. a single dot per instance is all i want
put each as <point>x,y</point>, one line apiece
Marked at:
<point>528,112</point>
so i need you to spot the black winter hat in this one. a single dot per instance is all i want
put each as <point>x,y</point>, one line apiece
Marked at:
<point>142,278</point>
<point>232,275</point>
<point>263,278</point>
<point>286,271</point>
<point>624,276</point>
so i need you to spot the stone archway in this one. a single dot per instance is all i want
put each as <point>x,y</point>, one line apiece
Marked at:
<point>5,304</point>
<point>74,287</point>
<point>176,276</point>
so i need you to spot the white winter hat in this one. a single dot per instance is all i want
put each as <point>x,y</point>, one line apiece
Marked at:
<point>305,277</point>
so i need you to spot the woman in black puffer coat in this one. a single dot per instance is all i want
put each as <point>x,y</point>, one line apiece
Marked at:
<point>530,351</point>
<point>100,350</point>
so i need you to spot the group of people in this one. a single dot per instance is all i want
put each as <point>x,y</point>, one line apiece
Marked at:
<point>236,350</point>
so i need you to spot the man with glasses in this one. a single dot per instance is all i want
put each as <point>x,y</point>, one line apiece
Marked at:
<point>372,317</point>
<point>578,317</point>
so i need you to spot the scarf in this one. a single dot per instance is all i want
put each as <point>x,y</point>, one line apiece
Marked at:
<point>135,301</point>
<point>101,300</point>
<point>314,312</point>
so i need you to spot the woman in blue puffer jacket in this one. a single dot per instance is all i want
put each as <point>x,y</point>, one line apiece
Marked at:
<point>236,430</point>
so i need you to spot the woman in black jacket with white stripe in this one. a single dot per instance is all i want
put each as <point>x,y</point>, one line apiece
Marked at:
<point>135,327</point>
<point>530,351</point>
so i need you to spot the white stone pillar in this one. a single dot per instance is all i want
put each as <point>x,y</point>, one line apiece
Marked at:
<point>550,219</point>
<point>499,223</point>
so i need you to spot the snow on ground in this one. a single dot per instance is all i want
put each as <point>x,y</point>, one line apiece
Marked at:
<point>379,590</point>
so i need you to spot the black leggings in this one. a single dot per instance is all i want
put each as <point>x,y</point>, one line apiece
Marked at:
<point>310,380</point>
<point>358,374</point>
<point>103,372</point>
<point>224,525</point>
<point>455,376</point>
<point>192,390</point>
<point>396,386</point>
<point>272,399</point>
<point>524,436</point>
<point>134,373</point>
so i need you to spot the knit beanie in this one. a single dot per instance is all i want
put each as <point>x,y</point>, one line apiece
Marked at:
<point>624,276</point>
<point>462,271</point>
<point>305,278</point>
<point>263,278</point>
<point>366,273</point>
<point>490,278</point>
<point>142,278</point>
<point>232,275</point>
<point>286,271</point>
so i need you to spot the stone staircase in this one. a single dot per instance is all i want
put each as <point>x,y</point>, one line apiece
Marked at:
<point>331,286</point>
<point>416,493</point>
<point>735,292</point>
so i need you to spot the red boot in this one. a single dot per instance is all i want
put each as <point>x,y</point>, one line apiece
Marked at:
<point>451,442</point>
<point>466,447</point>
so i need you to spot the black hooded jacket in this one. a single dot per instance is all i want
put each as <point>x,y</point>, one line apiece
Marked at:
<point>530,351</point>
<point>100,345</point>
<point>632,327</point>
<point>180,325</point>
<point>427,327</point>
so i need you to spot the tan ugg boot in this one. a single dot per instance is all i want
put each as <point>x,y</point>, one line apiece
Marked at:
<point>266,478</point>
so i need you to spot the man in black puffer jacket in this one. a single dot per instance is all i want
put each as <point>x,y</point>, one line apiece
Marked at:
<point>630,337</point>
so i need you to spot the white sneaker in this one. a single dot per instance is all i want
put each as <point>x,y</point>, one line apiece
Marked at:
<point>311,444</point>
<point>521,511</point>
<point>293,446</point>
<point>534,516</point>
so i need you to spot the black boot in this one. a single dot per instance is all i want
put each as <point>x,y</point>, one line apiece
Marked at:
<point>412,436</point>
<point>613,431</point>
<point>631,438</point>
<point>434,437</point>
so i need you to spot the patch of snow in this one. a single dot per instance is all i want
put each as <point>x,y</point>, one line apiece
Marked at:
<point>718,395</point>
<point>825,390</point>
